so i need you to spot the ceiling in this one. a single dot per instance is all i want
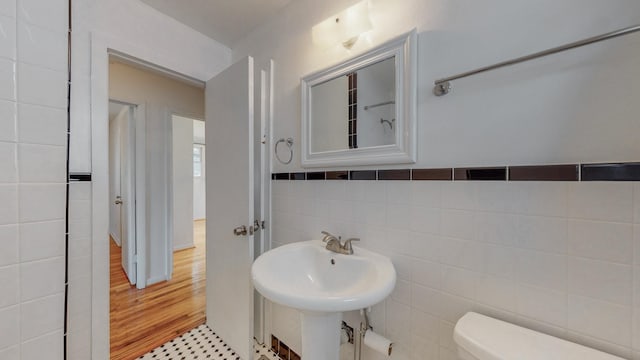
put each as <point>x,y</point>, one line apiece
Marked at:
<point>226,21</point>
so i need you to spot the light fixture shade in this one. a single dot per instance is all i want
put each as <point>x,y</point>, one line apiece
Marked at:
<point>344,27</point>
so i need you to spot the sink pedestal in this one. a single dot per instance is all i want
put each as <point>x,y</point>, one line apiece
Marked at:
<point>321,335</point>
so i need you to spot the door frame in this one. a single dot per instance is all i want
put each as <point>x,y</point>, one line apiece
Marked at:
<point>137,113</point>
<point>101,48</point>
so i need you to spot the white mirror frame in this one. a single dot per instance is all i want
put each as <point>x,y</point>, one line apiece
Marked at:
<point>403,48</point>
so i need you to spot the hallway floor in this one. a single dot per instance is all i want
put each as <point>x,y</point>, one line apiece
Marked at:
<point>202,343</point>
<point>142,320</point>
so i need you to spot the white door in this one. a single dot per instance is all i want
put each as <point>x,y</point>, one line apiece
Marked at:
<point>122,186</point>
<point>115,218</point>
<point>229,109</point>
<point>127,191</point>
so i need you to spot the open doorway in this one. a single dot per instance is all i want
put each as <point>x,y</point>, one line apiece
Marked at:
<point>122,217</point>
<point>188,182</point>
<point>231,96</point>
<point>157,249</point>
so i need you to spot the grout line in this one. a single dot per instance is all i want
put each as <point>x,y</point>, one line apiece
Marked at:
<point>18,173</point>
<point>67,202</point>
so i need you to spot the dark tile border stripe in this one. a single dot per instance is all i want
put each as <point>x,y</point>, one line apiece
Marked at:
<point>544,173</point>
<point>337,175</point>
<point>432,174</point>
<point>79,176</point>
<point>316,175</point>
<point>611,172</point>
<point>404,174</point>
<point>484,174</point>
<point>363,175</point>
<point>568,172</point>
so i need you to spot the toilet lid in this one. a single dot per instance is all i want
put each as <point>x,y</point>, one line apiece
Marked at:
<point>491,339</point>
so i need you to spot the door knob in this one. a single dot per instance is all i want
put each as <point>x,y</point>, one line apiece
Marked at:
<point>118,202</point>
<point>240,231</point>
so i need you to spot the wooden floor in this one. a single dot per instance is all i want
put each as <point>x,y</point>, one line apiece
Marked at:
<point>142,320</point>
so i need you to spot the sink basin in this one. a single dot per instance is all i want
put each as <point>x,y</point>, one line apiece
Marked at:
<point>307,276</point>
<point>322,284</point>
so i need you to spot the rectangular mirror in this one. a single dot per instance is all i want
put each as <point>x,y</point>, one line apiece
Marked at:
<point>362,111</point>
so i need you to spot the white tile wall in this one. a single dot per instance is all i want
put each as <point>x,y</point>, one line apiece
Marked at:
<point>7,79</point>
<point>555,257</point>
<point>79,336</point>
<point>8,171</point>
<point>47,346</point>
<point>9,199</point>
<point>42,47</point>
<point>7,37</point>
<point>42,125</point>
<point>7,120</point>
<point>35,242</point>
<point>9,244</point>
<point>8,7</point>
<point>41,86</point>
<point>33,105</point>
<point>51,15</point>
<point>9,278</point>
<point>10,353</point>
<point>9,326</point>
<point>41,316</point>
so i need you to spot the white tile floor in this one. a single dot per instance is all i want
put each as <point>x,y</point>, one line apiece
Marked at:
<point>202,343</point>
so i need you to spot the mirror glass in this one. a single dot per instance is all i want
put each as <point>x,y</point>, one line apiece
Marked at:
<point>355,110</point>
<point>362,111</point>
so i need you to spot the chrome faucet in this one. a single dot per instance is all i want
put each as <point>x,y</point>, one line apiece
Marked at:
<point>334,244</point>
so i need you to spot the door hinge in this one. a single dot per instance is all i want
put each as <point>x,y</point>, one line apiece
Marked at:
<point>262,225</point>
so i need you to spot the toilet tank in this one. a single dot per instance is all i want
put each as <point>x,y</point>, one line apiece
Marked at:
<point>480,337</point>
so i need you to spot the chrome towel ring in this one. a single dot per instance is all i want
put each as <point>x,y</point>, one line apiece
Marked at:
<point>289,142</point>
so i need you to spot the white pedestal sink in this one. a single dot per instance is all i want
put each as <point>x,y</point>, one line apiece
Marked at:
<point>322,284</point>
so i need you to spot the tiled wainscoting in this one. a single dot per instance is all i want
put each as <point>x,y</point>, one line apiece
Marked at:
<point>79,311</point>
<point>559,257</point>
<point>33,102</point>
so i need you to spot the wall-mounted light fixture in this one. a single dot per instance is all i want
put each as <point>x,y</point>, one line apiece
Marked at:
<point>343,28</point>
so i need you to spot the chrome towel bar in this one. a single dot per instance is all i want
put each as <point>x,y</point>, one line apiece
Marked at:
<point>443,86</point>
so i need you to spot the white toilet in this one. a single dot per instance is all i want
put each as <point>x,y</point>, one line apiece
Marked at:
<point>480,337</point>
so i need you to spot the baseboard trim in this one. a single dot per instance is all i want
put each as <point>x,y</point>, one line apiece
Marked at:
<point>115,240</point>
<point>183,247</point>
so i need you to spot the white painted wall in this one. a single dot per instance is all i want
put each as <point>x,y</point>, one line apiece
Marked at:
<point>520,252</point>
<point>575,106</point>
<point>142,32</point>
<point>199,189</point>
<point>199,183</point>
<point>183,188</point>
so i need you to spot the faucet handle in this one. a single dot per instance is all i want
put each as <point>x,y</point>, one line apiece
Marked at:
<point>328,236</point>
<point>347,245</point>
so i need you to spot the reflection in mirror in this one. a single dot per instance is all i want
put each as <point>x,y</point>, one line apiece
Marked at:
<point>362,111</point>
<point>355,110</point>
